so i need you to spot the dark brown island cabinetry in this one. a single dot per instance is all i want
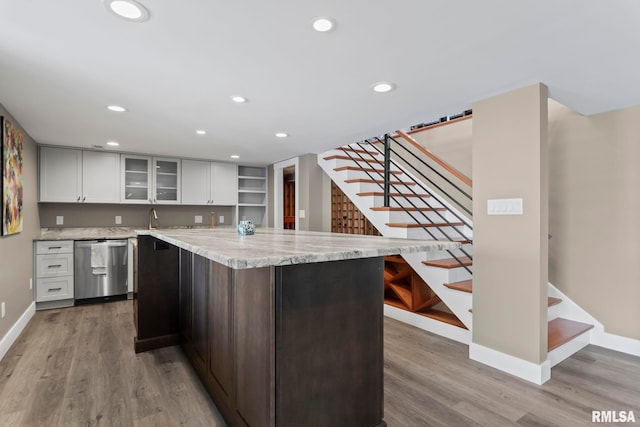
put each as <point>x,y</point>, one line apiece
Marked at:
<point>295,345</point>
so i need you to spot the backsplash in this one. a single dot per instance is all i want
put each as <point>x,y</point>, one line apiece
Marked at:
<point>104,215</point>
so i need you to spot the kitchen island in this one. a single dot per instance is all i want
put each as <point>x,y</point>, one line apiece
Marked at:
<point>283,328</point>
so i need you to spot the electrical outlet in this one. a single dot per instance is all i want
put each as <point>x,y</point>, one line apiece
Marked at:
<point>221,219</point>
<point>118,220</point>
<point>59,220</point>
<point>3,311</point>
<point>198,219</point>
<point>30,283</point>
<point>302,214</point>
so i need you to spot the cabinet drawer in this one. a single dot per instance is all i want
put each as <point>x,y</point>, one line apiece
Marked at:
<point>54,265</point>
<point>54,247</point>
<point>54,288</point>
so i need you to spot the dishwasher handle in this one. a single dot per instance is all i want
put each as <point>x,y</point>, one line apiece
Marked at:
<point>109,243</point>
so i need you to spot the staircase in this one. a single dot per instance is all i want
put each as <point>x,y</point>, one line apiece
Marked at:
<point>415,210</point>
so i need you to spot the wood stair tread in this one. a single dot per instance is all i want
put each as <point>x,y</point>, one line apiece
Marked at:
<point>551,301</point>
<point>414,225</point>
<point>380,193</point>
<point>376,181</point>
<point>355,159</point>
<point>562,331</point>
<point>360,150</point>
<point>449,262</point>
<point>400,209</point>
<point>358,169</point>
<point>463,286</point>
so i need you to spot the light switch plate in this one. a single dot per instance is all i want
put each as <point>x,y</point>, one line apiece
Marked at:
<point>302,214</point>
<point>59,220</point>
<point>221,219</point>
<point>118,220</point>
<point>198,219</point>
<point>505,206</point>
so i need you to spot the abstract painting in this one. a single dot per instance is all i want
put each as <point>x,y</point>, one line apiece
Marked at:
<point>12,151</point>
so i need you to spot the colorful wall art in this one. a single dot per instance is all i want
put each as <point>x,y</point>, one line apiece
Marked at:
<point>12,152</point>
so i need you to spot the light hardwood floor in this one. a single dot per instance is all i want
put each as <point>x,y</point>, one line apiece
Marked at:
<point>76,367</point>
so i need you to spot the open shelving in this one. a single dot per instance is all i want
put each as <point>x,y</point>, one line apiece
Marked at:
<point>252,194</point>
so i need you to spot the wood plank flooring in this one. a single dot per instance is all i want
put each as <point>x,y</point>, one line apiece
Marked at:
<point>76,367</point>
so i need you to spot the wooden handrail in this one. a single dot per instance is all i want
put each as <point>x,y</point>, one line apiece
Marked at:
<point>437,125</point>
<point>465,179</point>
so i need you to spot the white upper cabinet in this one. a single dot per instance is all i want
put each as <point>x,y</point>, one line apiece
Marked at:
<point>224,184</point>
<point>77,176</point>
<point>150,180</point>
<point>60,175</point>
<point>100,177</point>
<point>136,180</point>
<point>209,183</point>
<point>196,182</point>
<point>166,181</point>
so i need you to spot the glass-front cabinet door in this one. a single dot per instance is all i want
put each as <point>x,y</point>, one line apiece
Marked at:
<point>136,179</point>
<point>166,173</point>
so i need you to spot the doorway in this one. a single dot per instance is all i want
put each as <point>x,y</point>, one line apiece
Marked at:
<point>286,196</point>
<point>289,198</point>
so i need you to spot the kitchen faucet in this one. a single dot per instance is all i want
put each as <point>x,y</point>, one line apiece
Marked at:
<point>153,215</point>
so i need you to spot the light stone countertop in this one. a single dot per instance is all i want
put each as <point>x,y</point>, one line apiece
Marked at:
<point>91,233</point>
<point>271,247</point>
<point>87,233</point>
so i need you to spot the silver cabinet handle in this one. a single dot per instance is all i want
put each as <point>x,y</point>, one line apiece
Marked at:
<point>78,199</point>
<point>54,266</point>
<point>84,198</point>
<point>54,289</point>
<point>54,247</point>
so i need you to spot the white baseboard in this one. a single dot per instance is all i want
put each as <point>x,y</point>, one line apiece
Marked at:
<point>537,374</point>
<point>616,342</point>
<point>7,341</point>
<point>439,328</point>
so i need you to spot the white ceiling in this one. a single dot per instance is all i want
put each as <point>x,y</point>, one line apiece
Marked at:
<point>63,61</point>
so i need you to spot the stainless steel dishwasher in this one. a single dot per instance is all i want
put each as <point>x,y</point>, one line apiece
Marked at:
<point>100,268</point>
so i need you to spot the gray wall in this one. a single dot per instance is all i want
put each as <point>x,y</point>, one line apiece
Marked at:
<point>311,190</point>
<point>98,215</point>
<point>16,251</point>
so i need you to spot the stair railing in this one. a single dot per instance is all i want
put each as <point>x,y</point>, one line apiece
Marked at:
<point>387,184</point>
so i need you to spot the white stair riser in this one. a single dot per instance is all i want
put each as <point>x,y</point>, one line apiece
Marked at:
<point>365,187</point>
<point>406,217</point>
<point>565,351</point>
<point>360,174</point>
<point>410,202</point>
<point>419,233</point>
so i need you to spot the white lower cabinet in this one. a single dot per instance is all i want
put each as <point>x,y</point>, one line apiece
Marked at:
<point>54,274</point>
<point>54,288</point>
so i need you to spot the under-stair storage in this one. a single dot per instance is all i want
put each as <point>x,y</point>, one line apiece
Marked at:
<point>405,289</point>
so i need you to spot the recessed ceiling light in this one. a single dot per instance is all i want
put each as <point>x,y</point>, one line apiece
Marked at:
<point>130,10</point>
<point>382,87</point>
<point>282,134</point>
<point>323,25</point>
<point>201,132</point>
<point>235,156</point>
<point>116,108</point>
<point>239,99</point>
<point>113,143</point>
